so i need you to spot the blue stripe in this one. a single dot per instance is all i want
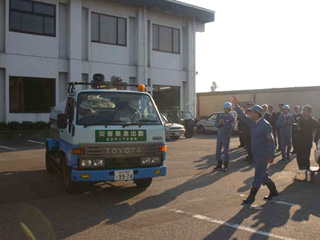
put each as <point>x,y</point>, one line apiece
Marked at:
<point>108,175</point>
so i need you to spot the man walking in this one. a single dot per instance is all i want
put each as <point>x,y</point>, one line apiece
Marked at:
<point>305,129</point>
<point>297,115</point>
<point>285,123</point>
<point>224,124</point>
<point>263,146</point>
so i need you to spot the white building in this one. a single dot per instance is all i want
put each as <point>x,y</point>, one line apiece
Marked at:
<point>45,44</point>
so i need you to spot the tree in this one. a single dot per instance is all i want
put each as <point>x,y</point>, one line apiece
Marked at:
<point>214,87</point>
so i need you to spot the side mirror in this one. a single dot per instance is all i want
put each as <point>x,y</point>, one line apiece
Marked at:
<point>62,121</point>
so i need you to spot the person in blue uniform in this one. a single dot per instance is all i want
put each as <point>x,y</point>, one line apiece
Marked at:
<point>285,123</point>
<point>224,123</point>
<point>263,149</point>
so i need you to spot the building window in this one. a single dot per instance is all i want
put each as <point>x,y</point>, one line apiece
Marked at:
<point>31,95</point>
<point>108,29</point>
<point>166,39</point>
<point>32,17</point>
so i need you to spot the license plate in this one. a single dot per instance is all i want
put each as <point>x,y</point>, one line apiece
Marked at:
<point>123,175</point>
<point>177,134</point>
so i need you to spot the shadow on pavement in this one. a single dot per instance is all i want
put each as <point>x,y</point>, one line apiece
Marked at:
<point>274,214</point>
<point>43,209</point>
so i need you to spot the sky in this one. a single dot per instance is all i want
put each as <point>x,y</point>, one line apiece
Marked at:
<point>256,44</point>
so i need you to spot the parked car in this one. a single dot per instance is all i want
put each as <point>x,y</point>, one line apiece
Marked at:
<point>173,130</point>
<point>208,124</point>
<point>317,153</point>
<point>184,114</point>
<point>186,119</point>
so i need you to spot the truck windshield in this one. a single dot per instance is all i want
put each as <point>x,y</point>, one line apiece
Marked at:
<point>103,108</point>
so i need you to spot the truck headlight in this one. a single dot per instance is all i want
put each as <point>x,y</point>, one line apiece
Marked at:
<point>84,163</point>
<point>98,163</point>
<point>156,160</point>
<point>92,163</point>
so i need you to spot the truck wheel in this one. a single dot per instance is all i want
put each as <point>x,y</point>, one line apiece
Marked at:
<point>49,167</point>
<point>201,129</point>
<point>143,183</point>
<point>68,184</point>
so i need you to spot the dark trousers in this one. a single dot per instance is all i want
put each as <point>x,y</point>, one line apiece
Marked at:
<point>303,157</point>
<point>261,175</point>
<point>242,138</point>
<point>294,140</point>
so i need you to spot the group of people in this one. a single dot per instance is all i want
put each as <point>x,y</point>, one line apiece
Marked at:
<point>261,131</point>
<point>298,130</point>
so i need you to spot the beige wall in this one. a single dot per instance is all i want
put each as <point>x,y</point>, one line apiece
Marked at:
<point>214,103</point>
<point>209,103</point>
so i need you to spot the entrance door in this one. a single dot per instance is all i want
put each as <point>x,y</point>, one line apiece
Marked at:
<point>166,97</point>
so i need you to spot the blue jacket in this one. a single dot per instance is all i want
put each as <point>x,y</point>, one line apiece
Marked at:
<point>285,123</point>
<point>262,141</point>
<point>225,130</point>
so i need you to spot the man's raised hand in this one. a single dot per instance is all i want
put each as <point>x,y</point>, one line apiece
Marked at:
<point>235,101</point>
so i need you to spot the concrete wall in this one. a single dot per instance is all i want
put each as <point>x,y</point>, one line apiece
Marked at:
<point>208,104</point>
<point>70,55</point>
<point>212,102</point>
<point>2,95</point>
<point>2,25</point>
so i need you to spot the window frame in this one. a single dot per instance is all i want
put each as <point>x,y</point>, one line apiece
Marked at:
<point>32,112</point>
<point>172,39</point>
<point>117,30</point>
<point>35,14</point>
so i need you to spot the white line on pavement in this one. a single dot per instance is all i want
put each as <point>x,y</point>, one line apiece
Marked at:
<point>9,148</point>
<point>232,225</point>
<point>32,141</point>
<point>275,201</point>
<point>283,203</point>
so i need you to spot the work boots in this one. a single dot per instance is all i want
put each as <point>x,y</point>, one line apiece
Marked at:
<point>252,196</point>
<point>225,167</point>
<point>273,191</point>
<point>219,166</point>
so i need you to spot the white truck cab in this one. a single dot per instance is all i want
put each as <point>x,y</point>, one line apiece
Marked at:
<point>105,134</point>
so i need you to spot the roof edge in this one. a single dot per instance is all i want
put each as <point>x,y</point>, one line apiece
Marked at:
<point>260,90</point>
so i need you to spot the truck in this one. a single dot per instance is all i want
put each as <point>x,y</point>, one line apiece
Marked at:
<point>106,133</point>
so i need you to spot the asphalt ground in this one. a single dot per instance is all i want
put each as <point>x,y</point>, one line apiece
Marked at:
<point>191,202</point>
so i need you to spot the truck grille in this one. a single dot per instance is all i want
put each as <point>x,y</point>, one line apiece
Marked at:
<point>124,156</point>
<point>124,163</point>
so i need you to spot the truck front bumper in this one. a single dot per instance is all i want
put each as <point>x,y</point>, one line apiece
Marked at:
<point>108,175</point>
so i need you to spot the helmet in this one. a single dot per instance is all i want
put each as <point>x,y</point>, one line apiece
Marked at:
<point>135,104</point>
<point>286,107</point>
<point>258,109</point>
<point>227,105</point>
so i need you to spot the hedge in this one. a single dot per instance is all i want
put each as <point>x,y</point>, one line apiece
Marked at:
<point>26,125</point>
<point>3,126</point>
